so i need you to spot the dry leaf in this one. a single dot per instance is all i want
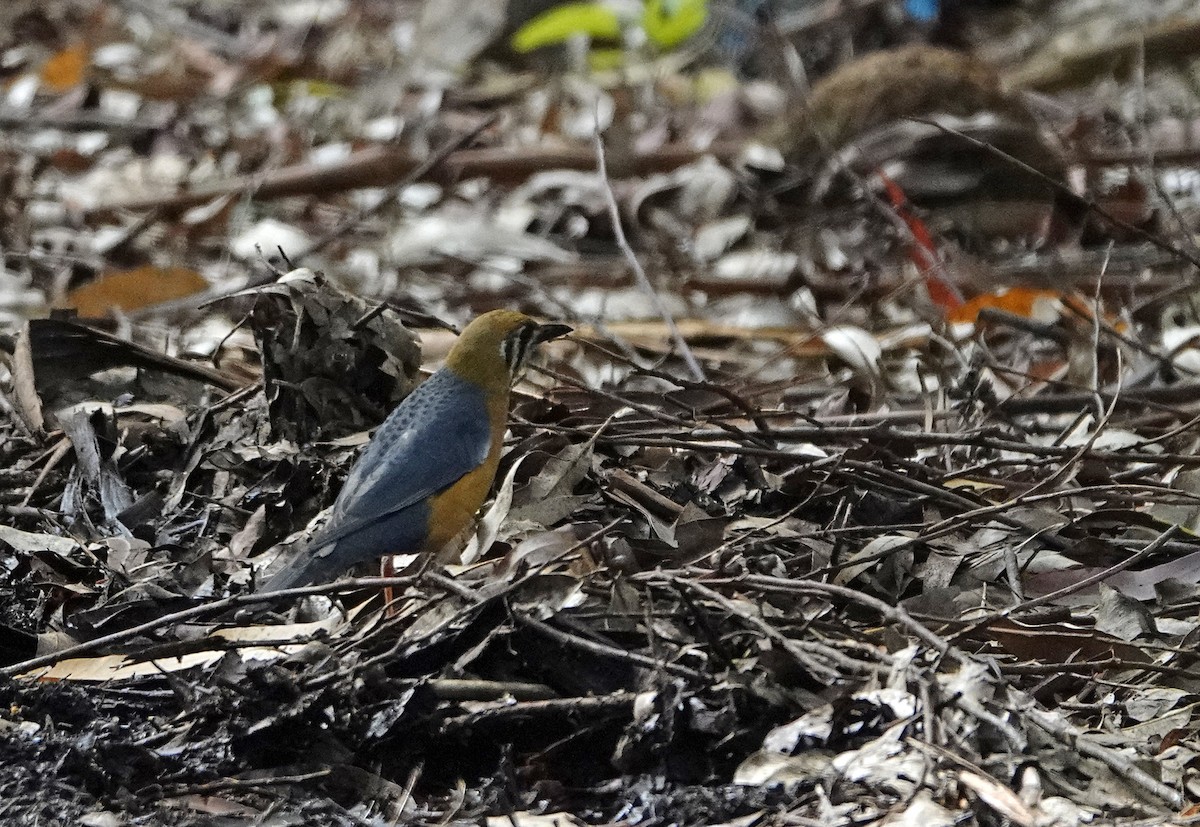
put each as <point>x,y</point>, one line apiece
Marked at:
<point>128,290</point>
<point>65,70</point>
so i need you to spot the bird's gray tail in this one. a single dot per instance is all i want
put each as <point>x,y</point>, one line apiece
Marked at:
<point>303,567</point>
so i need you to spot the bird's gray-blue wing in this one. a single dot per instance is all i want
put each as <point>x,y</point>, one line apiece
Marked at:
<point>439,433</point>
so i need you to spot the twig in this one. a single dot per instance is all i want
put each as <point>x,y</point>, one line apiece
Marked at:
<point>639,273</point>
<point>226,784</point>
<point>889,613</point>
<point>1124,767</point>
<point>1158,542</point>
<point>523,713</point>
<point>200,610</point>
<point>809,660</point>
<point>606,651</point>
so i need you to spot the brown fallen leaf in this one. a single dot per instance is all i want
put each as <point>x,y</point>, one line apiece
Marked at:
<point>134,289</point>
<point>65,69</point>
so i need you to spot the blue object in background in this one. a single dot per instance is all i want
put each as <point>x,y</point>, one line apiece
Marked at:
<point>924,11</point>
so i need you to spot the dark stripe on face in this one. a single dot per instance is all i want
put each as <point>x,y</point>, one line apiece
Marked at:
<point>516,346</point>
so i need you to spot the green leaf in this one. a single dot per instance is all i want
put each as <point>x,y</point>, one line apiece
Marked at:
<point>670,22</point>
<point>561,23</point>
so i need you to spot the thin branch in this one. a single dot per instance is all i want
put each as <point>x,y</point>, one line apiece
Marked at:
<point>639,272</point>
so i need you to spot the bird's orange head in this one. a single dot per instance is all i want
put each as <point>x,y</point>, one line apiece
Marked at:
<point>493,348</point>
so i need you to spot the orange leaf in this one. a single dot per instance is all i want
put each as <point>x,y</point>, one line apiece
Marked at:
<point>133,289</point>
<point>65,70</point>
<point>1026,302</point>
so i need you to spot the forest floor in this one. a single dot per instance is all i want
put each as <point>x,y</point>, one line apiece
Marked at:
<point>860,495</point>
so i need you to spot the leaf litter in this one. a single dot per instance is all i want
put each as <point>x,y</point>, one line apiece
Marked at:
<point>864,492</point>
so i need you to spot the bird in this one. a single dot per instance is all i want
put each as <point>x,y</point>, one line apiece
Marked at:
<point>430,465</point>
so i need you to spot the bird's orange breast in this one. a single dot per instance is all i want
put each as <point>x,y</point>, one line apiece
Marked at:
<point>452,510</point>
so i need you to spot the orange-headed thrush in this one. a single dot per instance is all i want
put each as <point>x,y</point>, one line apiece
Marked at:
<point>429,467</point>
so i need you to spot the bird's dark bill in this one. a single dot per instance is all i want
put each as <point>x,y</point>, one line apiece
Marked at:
<point>546,332</point>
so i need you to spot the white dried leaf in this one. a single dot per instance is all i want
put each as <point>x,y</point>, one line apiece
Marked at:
<point>856,347</point>
<point>269,236</point>
<point>464,234</point>
<point>305,13</point>
<point>886,763</point>
<point>26,541</point>
<point>921,811</point>
<point>528,819</point>
<point>815,726</point>
<point>771,267</point>
<point>714,237</point>
<point>761,768</point>
<point>1000,798</point>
